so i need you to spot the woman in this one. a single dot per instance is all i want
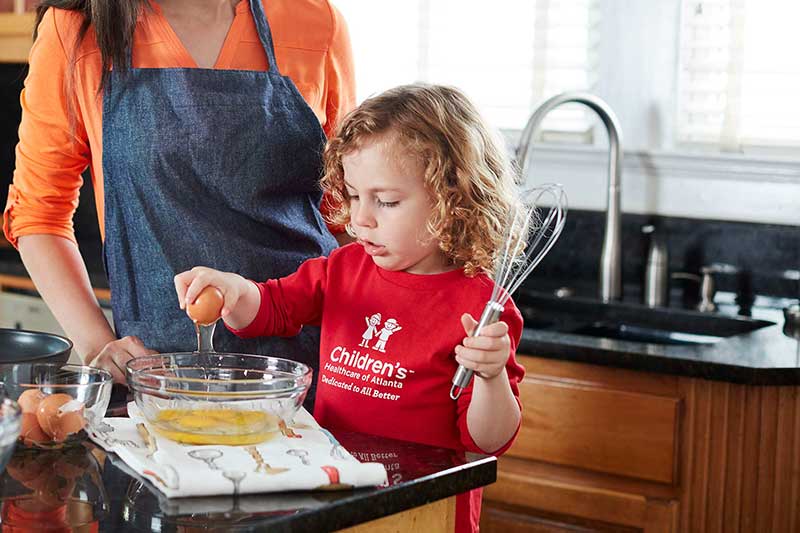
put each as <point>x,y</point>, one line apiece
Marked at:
<point>204,141</point>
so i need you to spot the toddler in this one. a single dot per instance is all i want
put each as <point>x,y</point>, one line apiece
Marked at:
<point>424,187</point>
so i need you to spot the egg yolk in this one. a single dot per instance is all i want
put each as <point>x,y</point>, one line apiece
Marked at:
<point>216,426</point>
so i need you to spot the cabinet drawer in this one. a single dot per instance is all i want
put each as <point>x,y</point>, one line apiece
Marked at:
<point>630,434</point>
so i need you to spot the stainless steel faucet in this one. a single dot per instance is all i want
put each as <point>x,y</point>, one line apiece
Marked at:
<point>611,256</point>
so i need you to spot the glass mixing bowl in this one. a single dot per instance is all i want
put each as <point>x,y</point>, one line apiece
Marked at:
<point>217,398</point>
<point>10,419</point>
<point>59,403</point>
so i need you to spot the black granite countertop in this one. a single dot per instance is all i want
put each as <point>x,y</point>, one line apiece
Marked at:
<point>762,356</point>
<point>103,491</point>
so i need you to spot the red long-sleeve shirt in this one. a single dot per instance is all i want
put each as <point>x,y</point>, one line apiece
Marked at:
<point>386,351</point>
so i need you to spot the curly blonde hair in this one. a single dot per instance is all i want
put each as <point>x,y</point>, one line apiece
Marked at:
<point>467,173</point>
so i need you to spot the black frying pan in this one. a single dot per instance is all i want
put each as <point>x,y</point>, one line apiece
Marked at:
<point>20,346</point>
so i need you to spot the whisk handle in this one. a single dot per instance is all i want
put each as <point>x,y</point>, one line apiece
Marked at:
<point>491,314</point>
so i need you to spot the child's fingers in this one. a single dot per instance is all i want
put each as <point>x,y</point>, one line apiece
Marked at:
<point>486,343</point>
<point>496,329</point>
<point>182,282</point>
<point>468,323</point>
<point>203,277</point>
<point>231,298</point>
<point>476,355</point>
<point>481,368</point>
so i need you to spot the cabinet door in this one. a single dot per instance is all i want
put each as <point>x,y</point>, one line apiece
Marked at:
<point>508,520</point>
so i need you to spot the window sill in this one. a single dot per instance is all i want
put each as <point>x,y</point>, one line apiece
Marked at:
<point>722,187</point>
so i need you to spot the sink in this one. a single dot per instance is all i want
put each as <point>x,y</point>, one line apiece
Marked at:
<point>630,322</point>
<point>648,335</point>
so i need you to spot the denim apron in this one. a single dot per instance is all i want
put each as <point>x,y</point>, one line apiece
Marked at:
<point>208,167</point>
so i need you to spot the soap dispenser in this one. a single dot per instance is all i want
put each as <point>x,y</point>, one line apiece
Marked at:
<point>656,274</point>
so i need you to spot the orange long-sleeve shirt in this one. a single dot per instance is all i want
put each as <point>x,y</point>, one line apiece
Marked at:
<point>311,45</point>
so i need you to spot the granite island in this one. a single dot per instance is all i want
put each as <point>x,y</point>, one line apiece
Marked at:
<point>84,489</point>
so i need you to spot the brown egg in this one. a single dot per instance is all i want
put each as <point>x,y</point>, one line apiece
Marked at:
<point>30,431</point>
<point>58,419</point>
<point>55,490</point>
<point>207,306</point>
<point>26,467</point>
<point>30,399</point>
<point>68,423</point>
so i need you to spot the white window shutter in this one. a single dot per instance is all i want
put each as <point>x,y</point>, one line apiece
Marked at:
<point>739,74</point>
<point>507,58</point>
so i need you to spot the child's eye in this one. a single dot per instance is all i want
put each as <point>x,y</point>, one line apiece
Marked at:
<point>351,196</point>
<point>387,204</point>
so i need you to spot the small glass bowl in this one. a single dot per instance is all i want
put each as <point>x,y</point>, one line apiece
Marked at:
<point>10,420</point>
<point>53,490</point>
<point>217,398</point>
<point>83,395</point>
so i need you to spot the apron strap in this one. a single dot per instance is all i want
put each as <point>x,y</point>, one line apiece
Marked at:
<point>264,33</point>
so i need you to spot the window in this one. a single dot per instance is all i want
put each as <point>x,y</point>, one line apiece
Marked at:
<point>507,57</point>
<point>739,73</point>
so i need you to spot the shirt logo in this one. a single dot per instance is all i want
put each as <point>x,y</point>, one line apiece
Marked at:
<point>390,327</point>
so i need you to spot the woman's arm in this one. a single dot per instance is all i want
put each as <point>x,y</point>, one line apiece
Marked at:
<point>52,153</point>
<point>59,273</point>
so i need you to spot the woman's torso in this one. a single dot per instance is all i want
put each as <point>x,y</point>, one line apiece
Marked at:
<point>311,49</point>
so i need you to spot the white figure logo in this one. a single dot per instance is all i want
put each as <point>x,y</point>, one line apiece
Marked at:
<point>390,327</point>
<point>372,328</point>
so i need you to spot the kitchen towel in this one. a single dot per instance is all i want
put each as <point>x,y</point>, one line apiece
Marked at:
<point>303,456</point>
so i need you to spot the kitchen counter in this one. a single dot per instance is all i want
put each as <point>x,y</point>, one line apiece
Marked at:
<point>421,478</point>
<point>762,357</point>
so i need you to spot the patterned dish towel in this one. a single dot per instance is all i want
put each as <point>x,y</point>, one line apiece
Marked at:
<point>303,457</point>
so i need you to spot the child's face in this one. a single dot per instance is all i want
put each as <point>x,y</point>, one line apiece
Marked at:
<point>389,209</point>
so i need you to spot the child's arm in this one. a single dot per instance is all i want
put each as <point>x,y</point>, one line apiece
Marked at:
<point>493,415</point>
<point>279,307</point>
<point>242,297</point>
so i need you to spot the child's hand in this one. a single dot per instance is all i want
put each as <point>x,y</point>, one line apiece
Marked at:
<point>487,353</point>
<point>189,284</point>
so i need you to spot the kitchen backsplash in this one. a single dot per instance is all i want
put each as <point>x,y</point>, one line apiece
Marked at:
<point>766,257</point>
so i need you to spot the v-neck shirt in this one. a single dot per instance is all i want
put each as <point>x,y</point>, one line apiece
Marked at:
<point>312,48</point>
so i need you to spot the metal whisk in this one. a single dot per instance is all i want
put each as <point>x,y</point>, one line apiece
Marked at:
<point>529,237</point>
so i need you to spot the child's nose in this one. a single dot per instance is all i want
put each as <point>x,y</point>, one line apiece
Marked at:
<point>361,215</point>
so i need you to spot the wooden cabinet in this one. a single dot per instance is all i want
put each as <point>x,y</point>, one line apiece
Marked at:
<point>605,449</point>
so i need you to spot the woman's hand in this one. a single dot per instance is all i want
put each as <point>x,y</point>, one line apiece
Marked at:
<point>241,296</point>
<point>487,353</point>
<point>115,354</point>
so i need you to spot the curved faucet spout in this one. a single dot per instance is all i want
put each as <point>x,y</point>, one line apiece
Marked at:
<point>611,256</point>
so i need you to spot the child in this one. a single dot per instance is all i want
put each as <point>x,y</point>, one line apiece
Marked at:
<point>425,189</point>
